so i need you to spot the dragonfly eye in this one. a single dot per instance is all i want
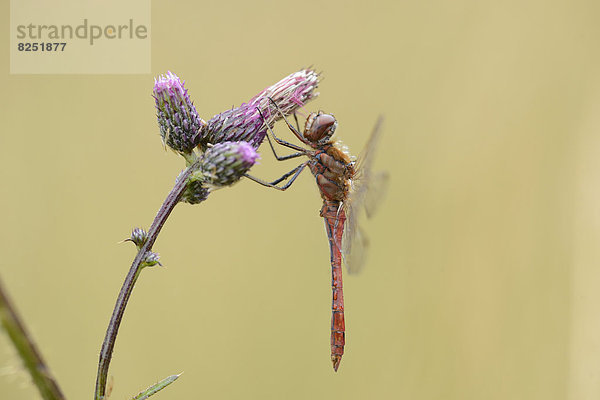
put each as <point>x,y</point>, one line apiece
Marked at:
<point>320,127</point>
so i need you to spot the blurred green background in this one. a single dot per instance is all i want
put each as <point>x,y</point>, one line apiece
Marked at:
<point>484,272</point>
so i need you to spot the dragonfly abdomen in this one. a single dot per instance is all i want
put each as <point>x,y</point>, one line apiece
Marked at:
<point>335,218</point>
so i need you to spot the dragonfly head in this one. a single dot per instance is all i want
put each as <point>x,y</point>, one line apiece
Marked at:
<point>319,128</point>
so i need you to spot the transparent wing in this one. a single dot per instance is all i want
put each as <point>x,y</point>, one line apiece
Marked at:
<point>378,184</point>
<point>366,193</point>
<point>355,243</point>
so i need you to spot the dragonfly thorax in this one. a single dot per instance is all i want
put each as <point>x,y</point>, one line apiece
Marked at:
<point>333,170</point>
<point>319,128</point>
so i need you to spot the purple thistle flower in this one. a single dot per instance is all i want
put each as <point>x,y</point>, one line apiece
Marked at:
<point>244,123</point>
<point>225,163</point>
<point>290,93</point>
<point>180,125</point>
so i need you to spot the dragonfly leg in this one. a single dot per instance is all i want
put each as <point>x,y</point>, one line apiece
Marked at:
<point>297,123</point>
<point>287,157</point>
<point>295,172</point>
<point>278,140</point>
<point>294,130</point>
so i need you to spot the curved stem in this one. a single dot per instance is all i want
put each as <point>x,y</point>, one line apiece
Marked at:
<point>136,267</point>
<point>40,374</point>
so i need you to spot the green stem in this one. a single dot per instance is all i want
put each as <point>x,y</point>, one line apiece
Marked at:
<point>40,374</point>
<point>127,288</point>
<point>190,158</point>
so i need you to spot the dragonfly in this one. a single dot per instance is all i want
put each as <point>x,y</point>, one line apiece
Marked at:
<point>347,187</point>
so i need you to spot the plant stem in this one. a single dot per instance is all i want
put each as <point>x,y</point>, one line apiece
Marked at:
<point>40,374</point>
<point>127,288</point>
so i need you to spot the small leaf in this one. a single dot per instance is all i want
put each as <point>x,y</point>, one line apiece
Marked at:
<point>156,387</point>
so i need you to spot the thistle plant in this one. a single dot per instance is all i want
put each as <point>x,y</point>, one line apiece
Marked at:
<point>179,123</point>
<point>246,122</point>
<point>217,154</point>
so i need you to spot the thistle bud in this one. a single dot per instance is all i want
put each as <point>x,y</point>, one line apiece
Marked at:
<point>151,260</point>
<point>179,123</point>
<point>195,192</point>
<point>244,123</point>
<point>289,94</point>
<point>225,163</point>
<point>138,237</point>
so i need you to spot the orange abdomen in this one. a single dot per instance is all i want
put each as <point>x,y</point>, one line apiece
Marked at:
<point>335,218</point>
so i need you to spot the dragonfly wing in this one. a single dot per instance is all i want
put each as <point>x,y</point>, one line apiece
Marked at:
<point>366,192</point>
<point>367,155</point>
<point>378,184</point>
<point>354,248</point>
<point>368,188</point>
